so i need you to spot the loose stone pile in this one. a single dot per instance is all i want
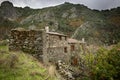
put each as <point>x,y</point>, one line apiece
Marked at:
<point>67,71</point>
<point>63,69</point>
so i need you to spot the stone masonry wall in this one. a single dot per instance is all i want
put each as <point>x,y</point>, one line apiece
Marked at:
<point>56,45</point>
<point>30,41</point>
<point>74,52</point>
<point>44,46</point>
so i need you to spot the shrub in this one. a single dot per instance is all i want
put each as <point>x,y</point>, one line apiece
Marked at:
<point>114,60</point>
<point>3,42</point>
<point>103,65</point>
<point>11,61</point>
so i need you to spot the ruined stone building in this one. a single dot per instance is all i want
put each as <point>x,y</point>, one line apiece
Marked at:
<point>44,45</point>
<point>74,50</point>
<point>57,47</point>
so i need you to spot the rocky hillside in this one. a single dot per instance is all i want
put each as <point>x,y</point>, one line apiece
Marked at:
<point>75,20</point>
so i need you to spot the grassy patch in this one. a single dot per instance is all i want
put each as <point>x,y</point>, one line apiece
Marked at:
<point>3,48</point>
<point>20,66</point>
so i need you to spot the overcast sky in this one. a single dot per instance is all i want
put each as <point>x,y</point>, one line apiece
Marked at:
<point>93,4</point>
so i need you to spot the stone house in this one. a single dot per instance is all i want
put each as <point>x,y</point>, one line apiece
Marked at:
<point>44,45</point>
<point>57,47</point>
<point>74,50</point>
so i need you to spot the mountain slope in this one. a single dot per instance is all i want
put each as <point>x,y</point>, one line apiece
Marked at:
<point>66,18</point>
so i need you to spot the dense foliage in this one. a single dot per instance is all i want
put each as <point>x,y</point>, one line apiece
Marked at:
<point>103,65</point>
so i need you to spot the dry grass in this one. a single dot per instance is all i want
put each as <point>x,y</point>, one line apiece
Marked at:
<point>21,66</point>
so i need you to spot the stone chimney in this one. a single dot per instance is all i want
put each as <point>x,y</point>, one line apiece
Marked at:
<point>47,28</point>
<point>83,39</point>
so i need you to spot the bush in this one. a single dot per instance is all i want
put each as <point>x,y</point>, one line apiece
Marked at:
<point>103,65</point>
<point>12,60</point>
<point>102,70</point>
<point>9,61</point>
<point>114,60</point>
<point>3,42</point>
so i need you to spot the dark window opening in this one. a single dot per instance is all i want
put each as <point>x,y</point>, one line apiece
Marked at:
<point>74,61</point>
<point>65,38</point>
<point>60,37</point>
<point>65,49</point>
<point>72,47</point>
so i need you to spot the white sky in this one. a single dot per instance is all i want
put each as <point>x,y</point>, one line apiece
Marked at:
<point>93,4</point>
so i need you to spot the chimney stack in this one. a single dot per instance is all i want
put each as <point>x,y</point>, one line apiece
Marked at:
<point>83,39</point>
<point>47,28</point>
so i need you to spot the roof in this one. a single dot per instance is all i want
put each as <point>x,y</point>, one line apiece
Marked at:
<point>19,29</point>
<point>23,29</point>
<point>70,40</point>
<point>55,33</point>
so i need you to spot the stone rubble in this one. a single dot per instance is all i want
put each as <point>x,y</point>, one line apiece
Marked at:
<point>67,71</point>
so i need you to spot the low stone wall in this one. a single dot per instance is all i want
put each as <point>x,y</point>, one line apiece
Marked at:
<point>30,41</point>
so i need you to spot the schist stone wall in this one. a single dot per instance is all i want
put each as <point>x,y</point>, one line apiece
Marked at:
<point>74,51</point>
<point>57,47</point>
<point>45,46</point>
<point>29,41</point>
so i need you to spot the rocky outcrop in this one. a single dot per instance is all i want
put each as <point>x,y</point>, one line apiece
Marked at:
<point>8,11</point>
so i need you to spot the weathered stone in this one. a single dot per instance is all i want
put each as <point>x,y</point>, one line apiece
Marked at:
<point>26,40</point>
<point>50,46</point>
